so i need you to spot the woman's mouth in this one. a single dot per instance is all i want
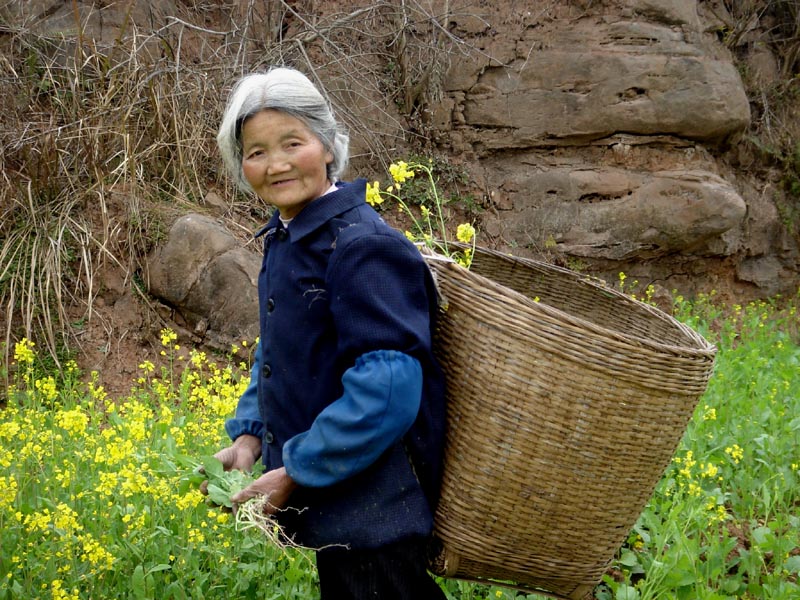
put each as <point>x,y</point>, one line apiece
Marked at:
<point>282,182</point>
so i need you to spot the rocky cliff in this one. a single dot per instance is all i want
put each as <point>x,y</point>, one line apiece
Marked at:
<point>603,132</point>
<point>607,136</point>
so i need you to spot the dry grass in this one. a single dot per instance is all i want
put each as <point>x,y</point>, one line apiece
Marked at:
<point>102,142</point>
<point>86,123</point>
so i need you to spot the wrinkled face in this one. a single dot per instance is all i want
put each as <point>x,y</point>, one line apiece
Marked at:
<point>283,161</point>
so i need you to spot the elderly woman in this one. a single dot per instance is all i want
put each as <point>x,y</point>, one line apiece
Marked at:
<point>345,406</point>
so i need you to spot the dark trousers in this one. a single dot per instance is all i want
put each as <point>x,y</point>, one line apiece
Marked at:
<point>394,572</point>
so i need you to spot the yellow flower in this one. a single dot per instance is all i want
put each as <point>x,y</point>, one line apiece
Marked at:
<point>66,519</point>
<point>374,197</point>
<point>721,514</point>
<point>47,387</point>
<point>168,336</point>
<point>147,366</point>
<point>8,492</point>
<point>197,358</point>
<point>190,499</point>
<point>735,452</point>
<point>709,413</point>
<point>94,553</point>
<point>196,536</point>
<point>708,470</point>
<point>400,171</point>
<point>23,351</point>
<point>465,232</point>
<point>73,421</point>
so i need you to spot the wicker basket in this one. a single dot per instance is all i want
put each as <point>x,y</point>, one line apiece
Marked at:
<point>566,402</point>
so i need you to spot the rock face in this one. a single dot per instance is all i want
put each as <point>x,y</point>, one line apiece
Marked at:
<point>596,78</point>
<point>597,133</point>
<point>621,214</point>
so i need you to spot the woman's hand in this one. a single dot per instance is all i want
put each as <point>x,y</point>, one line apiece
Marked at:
<point>276,485</point>
<point>241,455</point>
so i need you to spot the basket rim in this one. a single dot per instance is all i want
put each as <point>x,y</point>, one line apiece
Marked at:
<point>492,290</point>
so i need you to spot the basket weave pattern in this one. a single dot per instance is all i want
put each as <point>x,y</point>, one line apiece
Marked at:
<point>562,416</point>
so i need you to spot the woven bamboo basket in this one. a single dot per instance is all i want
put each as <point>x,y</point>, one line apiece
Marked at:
<point>566,402</point>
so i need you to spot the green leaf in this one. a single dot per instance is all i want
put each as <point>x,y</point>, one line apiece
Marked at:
<point>731,585</point>
<point>138,584</point>
<point>792,564</point>
<point>626,592</point>
<point>157,568</point>
<point>628,558</point>
<point>190,481</point>
<point>219,496</point>
<point>682,573</point>
<point>763,536</point>
<point>213,467</point>
<point>175,591</point>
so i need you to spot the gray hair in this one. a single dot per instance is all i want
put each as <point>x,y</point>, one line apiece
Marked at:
<point>288,91</point>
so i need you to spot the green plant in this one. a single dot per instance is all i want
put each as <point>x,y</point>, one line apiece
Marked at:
<point>721,524</point>
<point>428,224</point>
<point>97,497</point>
<point>223,484</point>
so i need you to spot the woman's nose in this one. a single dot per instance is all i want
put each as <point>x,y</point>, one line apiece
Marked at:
<point>277,163</point>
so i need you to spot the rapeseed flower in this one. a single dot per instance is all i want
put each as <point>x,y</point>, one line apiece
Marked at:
<point>167,337</point>
<point>465,233</point>
<point>400,172</point>
<point>73,421</point>
<point>8,492</point>
<point>374,197</point>
<point>429,222</point>
<point>735,452</point>
<point>89,471</point>
<point>23,351</point>
<point>47,388</point>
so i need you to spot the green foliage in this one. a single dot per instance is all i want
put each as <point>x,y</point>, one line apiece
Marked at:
<point>224,484</point>
<point>99,499</point>
<point>722,521</point>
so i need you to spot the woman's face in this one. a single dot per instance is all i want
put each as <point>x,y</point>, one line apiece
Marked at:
<point>283,161</point>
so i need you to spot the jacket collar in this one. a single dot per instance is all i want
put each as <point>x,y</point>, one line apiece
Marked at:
<point>321,210</point>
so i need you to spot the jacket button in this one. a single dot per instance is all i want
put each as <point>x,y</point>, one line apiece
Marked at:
<point>282,234</point>
<point>268,437</point>
<point>266,371</point>
<point>270,304</point>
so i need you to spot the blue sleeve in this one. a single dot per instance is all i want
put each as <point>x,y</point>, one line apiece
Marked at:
<point>381,399</point>
<point>247,419</point>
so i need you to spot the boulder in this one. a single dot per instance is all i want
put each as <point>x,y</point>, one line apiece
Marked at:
<point>204,273</point>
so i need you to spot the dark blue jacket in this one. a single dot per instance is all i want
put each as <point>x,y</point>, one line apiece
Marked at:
<point>347,313</point>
